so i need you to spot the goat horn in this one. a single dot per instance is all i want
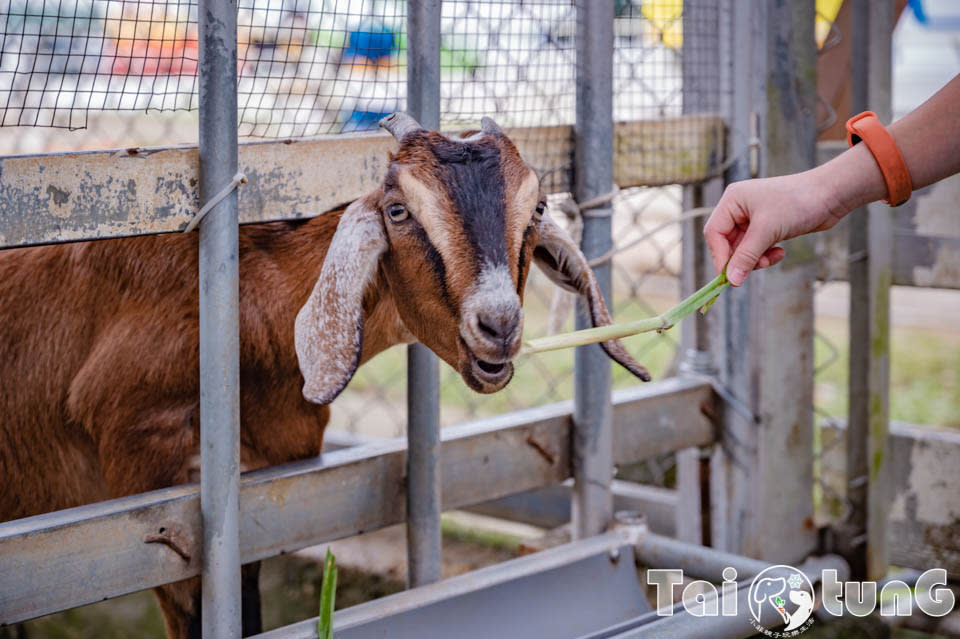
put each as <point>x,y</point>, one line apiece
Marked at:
<point>399,124</point>
<point>487,125</point>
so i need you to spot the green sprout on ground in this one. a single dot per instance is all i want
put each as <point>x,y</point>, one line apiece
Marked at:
<point>328,593</point>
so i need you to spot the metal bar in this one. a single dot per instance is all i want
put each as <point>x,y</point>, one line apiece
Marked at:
<point>73,557</point>
<point>918,260</point>
<point>683,624</point>
<point>549,507</point>
<point>658,551</point>
<point>864,534</point>
<point>769,320</point>
<point>219,324</point>
<point>923,505</point>
<point>592,506</point>
<point>423,60</point>
<point>88,195</point>
<point>701,94</point>
<point>424,539</point>
<point>474,605</point>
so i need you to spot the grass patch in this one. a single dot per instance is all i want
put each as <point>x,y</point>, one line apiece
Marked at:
<point>457,531</point>
<point>924,373</point>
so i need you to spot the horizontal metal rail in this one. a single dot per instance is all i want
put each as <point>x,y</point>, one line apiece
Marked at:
<point>81,555</point>
<point>923,508</point>
<point>549,507</point>
<point>65,197</point>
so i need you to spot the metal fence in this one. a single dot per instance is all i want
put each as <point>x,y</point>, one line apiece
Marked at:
<point>313,67</point>
<point>687,96</point>
<point>309,68</point>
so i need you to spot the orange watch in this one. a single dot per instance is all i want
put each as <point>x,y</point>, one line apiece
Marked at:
<point>867,127</point>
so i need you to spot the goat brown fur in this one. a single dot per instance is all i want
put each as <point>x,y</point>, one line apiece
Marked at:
<point>101,377</point>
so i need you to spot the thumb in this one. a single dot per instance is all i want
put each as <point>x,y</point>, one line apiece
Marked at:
<point>754,244</point>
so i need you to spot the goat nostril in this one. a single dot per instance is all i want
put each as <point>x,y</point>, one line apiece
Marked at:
<point>486,329</point>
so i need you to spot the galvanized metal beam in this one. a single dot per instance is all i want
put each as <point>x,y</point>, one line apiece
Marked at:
<point>864,533</point>
<point>82,555</point>
<point>923,504</point>
<point>702,74</point>
<point>219,276</point>
<point>424,538</point>
<point>550,507</point>
<point>764,470</point>
<point>65,197</point>
<point>478,605</point>
<point>592,505</point>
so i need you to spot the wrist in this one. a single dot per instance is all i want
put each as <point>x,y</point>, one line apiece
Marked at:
<point>851,180</point>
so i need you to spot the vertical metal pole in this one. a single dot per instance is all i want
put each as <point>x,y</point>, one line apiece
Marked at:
<point>592,505</point>
<point>701,94</point>
<point>864,537</point>
<point>219,324</point>
<point>424,541</point>
<point>763,473</point>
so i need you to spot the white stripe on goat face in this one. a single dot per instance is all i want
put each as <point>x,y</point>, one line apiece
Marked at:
<point>491,315</point>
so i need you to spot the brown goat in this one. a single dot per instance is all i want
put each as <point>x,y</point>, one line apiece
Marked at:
<point>99,340</point>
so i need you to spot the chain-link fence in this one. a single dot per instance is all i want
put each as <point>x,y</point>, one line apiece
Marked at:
<point>124,74</point>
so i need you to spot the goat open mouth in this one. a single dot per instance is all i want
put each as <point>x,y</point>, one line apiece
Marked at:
<point>490,368</point>
<point>484,376</point>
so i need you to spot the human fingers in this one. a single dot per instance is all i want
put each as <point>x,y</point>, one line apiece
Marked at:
<point>771,257</point>
<point>720,233</point>
<point>756,242</point>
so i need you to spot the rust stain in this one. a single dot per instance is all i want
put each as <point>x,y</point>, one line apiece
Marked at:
<point>540,448</point>
<point>172,538</point>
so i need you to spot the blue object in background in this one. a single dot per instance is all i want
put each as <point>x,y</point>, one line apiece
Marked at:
<point>363,120</point>
<point>371,41</point>
<point>938,23</point>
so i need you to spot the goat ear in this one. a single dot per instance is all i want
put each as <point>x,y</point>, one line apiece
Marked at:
<point>561,260</point>
<point>328,333</point>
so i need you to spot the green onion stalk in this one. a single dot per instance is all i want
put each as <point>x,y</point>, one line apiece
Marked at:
<point>702,299</point>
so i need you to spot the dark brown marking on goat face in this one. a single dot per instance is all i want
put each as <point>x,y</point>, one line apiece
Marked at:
<point>460,216</point>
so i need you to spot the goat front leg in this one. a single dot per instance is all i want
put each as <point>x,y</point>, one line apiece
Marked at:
<point>180,605</point>
<point>250,605</point>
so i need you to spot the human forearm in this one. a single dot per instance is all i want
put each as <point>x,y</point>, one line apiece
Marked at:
<point>928,139</point>
<point>929,136</point>
<point>752,216</point>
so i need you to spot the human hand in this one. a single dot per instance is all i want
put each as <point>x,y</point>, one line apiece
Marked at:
<point>753,215</point>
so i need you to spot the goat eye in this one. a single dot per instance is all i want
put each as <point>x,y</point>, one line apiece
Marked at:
<point>541,207</point>
<point>397,212</point>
